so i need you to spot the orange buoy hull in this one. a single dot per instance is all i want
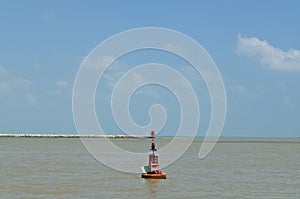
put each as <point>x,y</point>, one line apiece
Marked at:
<point>154,175</point>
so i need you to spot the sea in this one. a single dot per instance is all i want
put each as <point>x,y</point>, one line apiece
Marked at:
<point>236,168</point>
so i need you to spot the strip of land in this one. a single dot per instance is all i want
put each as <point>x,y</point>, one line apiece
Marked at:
<point>198,139</point>
<point>71,136</point>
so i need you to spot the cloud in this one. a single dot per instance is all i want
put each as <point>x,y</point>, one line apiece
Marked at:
<point>98,62</point>
<point>148,92</point>
<point>114,72</point>
<point>31,99</point>
<point>52,92</point>
<point>239,89</point>
<point>4,86</point>
<point>3,71</point>
<point>173,48</point>
<point>282,86</point>
<point>36,65</point>
<point>62,83</point>
<point>18,86</point>
<point>268,55</point>
<point>242,91</point>
<point>49,16</point>
<point>287,102</point>
<point>12,81</point>
<point>22,82</point>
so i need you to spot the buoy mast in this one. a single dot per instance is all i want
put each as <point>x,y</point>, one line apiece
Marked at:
<point>153,143</point>
<point>153,158</point>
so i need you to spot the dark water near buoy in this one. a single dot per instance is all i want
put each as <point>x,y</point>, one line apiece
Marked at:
<point>236,168</point>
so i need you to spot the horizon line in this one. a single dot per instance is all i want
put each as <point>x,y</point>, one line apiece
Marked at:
<point>58,135</point>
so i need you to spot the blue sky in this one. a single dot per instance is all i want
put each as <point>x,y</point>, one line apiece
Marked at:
<point>255,45</point>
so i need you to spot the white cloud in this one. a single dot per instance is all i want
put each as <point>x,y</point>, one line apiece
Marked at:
<point>239,89</point>
<point>268,55</point>
<point>148,92</point>
<point>98,62</point>
<point>287,102</point>
<point>282,86</point>
<point>173,48</point>
<point>21,82</point>
<point>4,86</point>
<point>13,81</point>
<point>49,16</point>
<point>31,99</point>
<point>36,65</point>
<point>17,85</point>
<point>52,92</point>
<point>62,83</point>
<point>114,73</point>
<point>132,79</point>
<point>242,91</point>
<point>3,71</point>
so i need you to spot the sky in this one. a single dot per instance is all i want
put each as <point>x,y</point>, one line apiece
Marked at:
<point>255,45</point>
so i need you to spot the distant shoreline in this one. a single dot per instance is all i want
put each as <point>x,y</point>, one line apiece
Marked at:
<point>53,135</point>
<point>71,136</point>
<point>201,139</point>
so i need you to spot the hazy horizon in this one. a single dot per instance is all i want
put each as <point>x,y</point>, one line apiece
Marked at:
<point>120,134</point>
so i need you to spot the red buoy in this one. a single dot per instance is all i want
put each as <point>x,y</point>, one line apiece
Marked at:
<point>152,170</point>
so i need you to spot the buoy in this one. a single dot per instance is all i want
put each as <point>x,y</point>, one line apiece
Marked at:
<point>152,170</point>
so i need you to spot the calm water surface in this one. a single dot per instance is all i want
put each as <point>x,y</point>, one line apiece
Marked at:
<point>62,168</point>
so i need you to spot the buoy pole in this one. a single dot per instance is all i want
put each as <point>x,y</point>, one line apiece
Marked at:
<point>153,143</point>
